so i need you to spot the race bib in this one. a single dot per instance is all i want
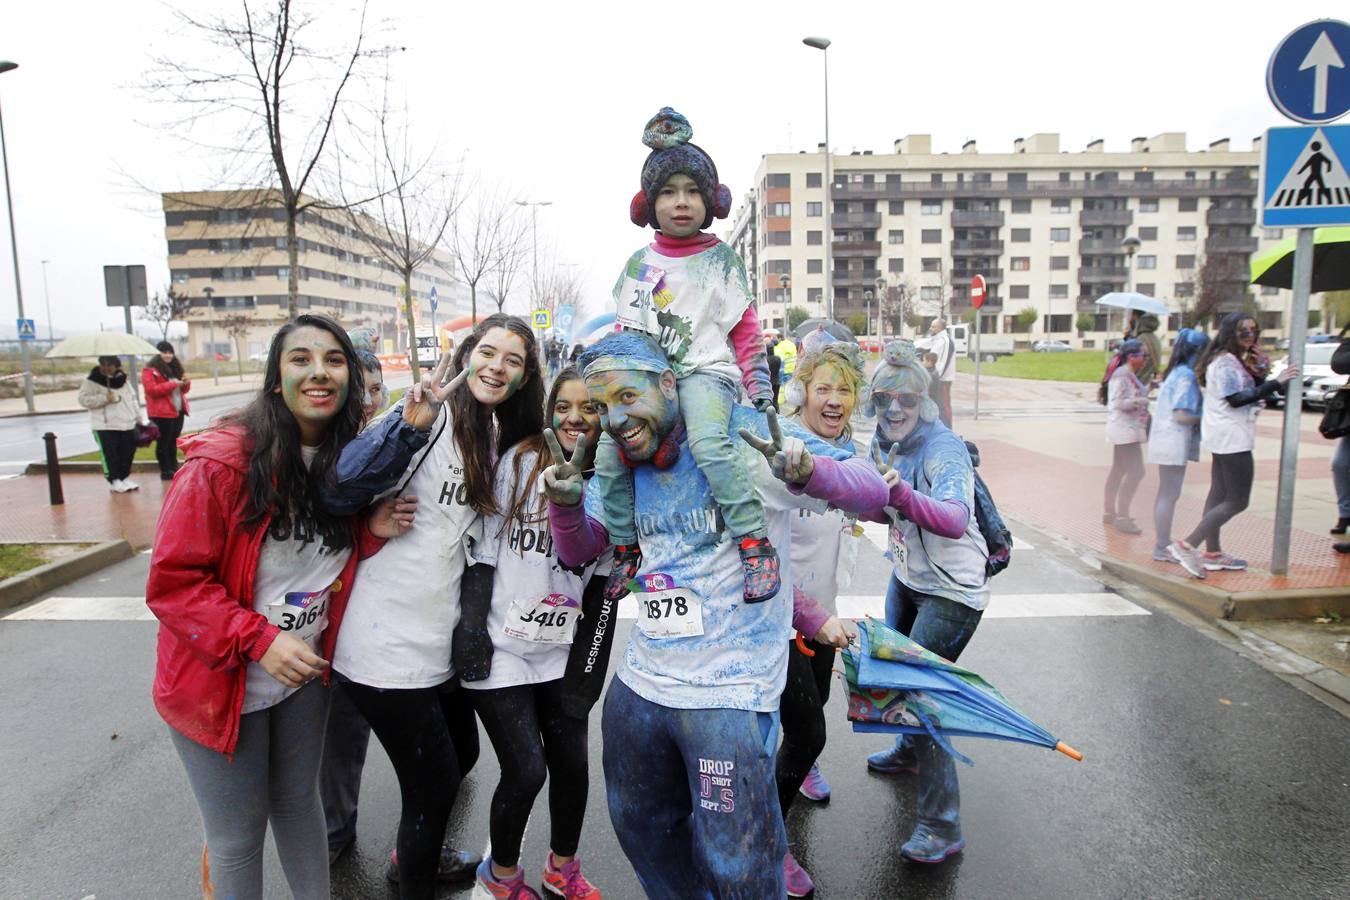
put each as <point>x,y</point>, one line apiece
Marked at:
<point>666,610</point>
<point>637,308</point>
<point>547,620</point>
<point>303,614</point>
<point>897,550</point>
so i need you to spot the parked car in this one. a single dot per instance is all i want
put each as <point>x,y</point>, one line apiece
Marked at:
<point>1319,392</point>
<point>1316,366</point>
<point>1051,347</point>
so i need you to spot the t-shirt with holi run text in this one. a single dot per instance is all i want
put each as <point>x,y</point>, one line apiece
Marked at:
<point>736,657</point>
<point>689,304</point>
<point>1225,428</point>
<point>535,601</point>
<point>291,587</point>
<point>404,603</point>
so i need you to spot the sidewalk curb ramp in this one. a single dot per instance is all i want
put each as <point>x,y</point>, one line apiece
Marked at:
<point>35,582</point>
<point>1214,601</point>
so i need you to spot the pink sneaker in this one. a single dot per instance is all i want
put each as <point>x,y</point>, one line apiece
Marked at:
<point>567,881</point>
<point>799,884</point>
<point>814,786</point>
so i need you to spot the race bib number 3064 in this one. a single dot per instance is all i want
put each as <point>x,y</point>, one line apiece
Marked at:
<point>666,610</point>
<point>301,613</point>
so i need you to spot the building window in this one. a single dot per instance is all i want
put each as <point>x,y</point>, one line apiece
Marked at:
<point>1021,263</point>
<point>814,295</point>
<point>1021,235</point>
<point>1186,261</point>
<point>1059,263</point>
<point>814,209</point>
<point>779,180</point>
<point>1059,291</point>
<point>1186,233</point>
<point>895,236</point>
<point>931,207</point>
<point>895,207</point>
<point>1146,261</point>
<point>1059,205</point>
<point>1272,234</point>
<point>841,293</point>
<point>778,267</point>
<point>1183,289</point>
<point>935,178</point>
<point>1267,290</point>
<point>779,238</point>
<point>1059,234</point>
<point>813,267</point>
<point>1148,205</point>
<point>780,209</point>
<point>1188,204</point>
<point>931,264</point>
<point>813,238</point>
<point>1021,205</point>
<point>1148,234</point>
<point>813,179</point>
<point>1146,287</point>
<point>1019,291</point>
<point>895,265</point>
<point>931,236</point>
<point>930,293</point>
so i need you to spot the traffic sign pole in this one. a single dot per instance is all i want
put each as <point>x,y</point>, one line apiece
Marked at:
<point>977,298</point>
<point>1293,403</point>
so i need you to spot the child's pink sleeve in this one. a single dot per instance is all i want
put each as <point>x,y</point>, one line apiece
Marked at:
<point>748,342</point>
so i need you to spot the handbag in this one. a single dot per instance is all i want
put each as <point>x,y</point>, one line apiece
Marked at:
<point>1336,420</point>
<point>146,433</point>
<point>1340,360</point>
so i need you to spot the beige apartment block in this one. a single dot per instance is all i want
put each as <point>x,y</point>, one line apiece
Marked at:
<point>1051,230</point>
<point>234,242</point>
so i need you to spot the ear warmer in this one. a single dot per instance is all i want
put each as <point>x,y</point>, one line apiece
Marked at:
<point>668,134</point>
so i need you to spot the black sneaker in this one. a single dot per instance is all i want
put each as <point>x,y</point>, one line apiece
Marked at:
<point>454,865</point>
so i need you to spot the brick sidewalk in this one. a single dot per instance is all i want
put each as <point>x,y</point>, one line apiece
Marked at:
<point>91,512</point>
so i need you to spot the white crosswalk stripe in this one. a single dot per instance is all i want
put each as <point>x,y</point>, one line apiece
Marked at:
<point>876,533</point>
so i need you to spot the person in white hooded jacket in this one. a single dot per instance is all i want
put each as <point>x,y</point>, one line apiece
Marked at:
<point>114,412</point>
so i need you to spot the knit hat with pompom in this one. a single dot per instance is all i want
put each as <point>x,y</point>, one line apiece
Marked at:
<point>668,134</point>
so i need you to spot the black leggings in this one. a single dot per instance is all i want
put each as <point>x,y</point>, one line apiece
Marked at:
<point>1230,488</point>
<point>1127,470</point>
<point>534,738</point>
<point>432,739</point>
<point>166,446</point>
<point>802,710</point>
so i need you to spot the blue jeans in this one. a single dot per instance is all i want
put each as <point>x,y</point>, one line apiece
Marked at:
<point>945,627</point>
<point>705,405</point>
<point>1340,476</point>
<point>692,798</point>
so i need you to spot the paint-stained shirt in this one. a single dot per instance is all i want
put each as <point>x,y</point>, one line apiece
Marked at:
<point>1169,442</point>
<point>1225,428</point>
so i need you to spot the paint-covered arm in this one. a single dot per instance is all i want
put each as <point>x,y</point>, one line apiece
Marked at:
<point>945,518</point>
<point>577,537</point>
<point>807,615</point>
<point>748,342</point>
<point>852,485</point>
<point>372,463</point>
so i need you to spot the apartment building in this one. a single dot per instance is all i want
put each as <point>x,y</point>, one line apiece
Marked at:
<point>1051,230</point>
<point>234,244</point>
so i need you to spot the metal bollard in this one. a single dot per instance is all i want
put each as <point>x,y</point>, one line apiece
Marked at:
<point>58,497</point>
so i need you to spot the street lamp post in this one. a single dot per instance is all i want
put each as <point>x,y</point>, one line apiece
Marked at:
<point>211,324</point>
<point>786,282</point>
<point>867,298</point>
<point>534,242</point>
<point>7,66</point>
<point>823,44</point>
<point>51,334</point>
<point>881,307</point>
<point>1130,244</point>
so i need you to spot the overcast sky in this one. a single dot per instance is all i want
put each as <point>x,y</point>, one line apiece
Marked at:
<point>550,98</point>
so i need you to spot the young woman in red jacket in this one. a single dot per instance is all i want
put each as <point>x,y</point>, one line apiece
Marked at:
<point>166,388</point>
<point>249,580</point>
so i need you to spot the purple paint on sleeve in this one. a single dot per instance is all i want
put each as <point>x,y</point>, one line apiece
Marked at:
<point>808,616</point>
<point>852,485</point>
<point>748,342</point>
<point>577,537</point>
<point>945,518</point>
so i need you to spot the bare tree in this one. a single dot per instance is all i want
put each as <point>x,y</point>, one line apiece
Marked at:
<point>479,229</point>
<point>514,247</point>
<point>261,73</point>
<point>165,308</point>
<point>1217,282</point>
<point>236,326</point>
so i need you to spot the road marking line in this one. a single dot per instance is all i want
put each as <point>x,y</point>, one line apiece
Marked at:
<point>84,609</point>
<point>1012,606</point>
<point>877,533</point>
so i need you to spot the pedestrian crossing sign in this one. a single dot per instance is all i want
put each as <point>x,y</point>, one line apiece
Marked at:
<point>27,330</point>
<point>542,318</point>
<point>1303,177</point>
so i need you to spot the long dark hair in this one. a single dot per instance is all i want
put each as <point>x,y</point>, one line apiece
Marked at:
<point>518,416</point>
<point>173,371</point>
<point>279,484</point>
<point>1226,341</point>
<point>524,501</point>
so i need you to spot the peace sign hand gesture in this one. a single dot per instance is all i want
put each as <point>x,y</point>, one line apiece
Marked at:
<point>788,458</point>
<point>423,401</point>
<point>887,466</point>
<point>563,481</point>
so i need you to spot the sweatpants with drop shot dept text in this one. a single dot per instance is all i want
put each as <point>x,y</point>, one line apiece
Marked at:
<point>692,798</point>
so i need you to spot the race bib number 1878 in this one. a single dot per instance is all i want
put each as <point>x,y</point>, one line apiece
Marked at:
<point>666,610</point>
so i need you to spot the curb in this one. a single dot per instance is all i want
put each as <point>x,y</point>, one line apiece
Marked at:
<point>83,467</point>
<point>24,587</point>
<point>1291,663</point>
<point>1291,603</point>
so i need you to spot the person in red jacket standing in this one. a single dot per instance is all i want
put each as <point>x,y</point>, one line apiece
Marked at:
<point>249,580</point>
<point>166,404</point>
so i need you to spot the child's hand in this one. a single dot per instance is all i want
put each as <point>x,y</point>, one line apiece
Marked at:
<point>764,404</point>
<point>563,481</point>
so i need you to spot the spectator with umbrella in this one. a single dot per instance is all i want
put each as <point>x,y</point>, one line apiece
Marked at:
<point>114,413</point>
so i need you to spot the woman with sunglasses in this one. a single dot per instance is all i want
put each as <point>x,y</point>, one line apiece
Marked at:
<point>1233,373</point>
<point>1126,399</point>
<point>939,588</point>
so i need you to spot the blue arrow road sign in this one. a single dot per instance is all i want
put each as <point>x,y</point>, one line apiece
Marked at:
<point>1303,178</point>
<point>1308,79</point>
<point>434,299</point>
<point>27,331</point>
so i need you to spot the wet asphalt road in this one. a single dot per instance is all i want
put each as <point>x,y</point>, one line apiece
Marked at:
<point>1205,775</point>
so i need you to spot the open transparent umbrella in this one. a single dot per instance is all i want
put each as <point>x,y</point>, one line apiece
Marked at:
<point>837,330</point>
<point>1132,300</point>
<point>897,685</point>
<point>1331,262</point>
<point>102,343</point>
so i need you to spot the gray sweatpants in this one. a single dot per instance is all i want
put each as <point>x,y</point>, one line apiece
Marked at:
<point>273,776</point>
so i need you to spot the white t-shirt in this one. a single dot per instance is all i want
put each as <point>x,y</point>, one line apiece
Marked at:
<point>1169,442</point>
<point>535,601</point>
<point>689,304</point>
<point>1126,419</point>
<point>1225,428</point>
<point>291,587</point>
<point>404,604</point>
<point>945,348</point>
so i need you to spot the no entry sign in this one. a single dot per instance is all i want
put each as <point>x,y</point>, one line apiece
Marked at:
<point>977,291</point>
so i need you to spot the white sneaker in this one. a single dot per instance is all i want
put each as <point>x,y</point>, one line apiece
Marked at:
<point>130,485</point>
<point>119,486</point>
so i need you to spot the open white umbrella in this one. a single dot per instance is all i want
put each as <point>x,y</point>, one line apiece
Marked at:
<point>102,343</point>
<point>1132,300</point>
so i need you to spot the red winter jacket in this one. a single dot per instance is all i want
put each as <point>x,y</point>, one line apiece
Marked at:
<point>201,590</point>
<point>158,392</point>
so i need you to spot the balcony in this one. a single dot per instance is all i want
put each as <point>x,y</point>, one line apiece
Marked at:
<point>1100,247</point>
<point>1103,275</point>
<point>1231,244</point>
<point>1119,218</point>
<point>1244,215</point>
<point>963,276</point>
<point>1175,187</point>
<point>984,247</point>
<point>857,249</point>
<point>855,220</point>
<point>977,218</point>
<point>866,277</point>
